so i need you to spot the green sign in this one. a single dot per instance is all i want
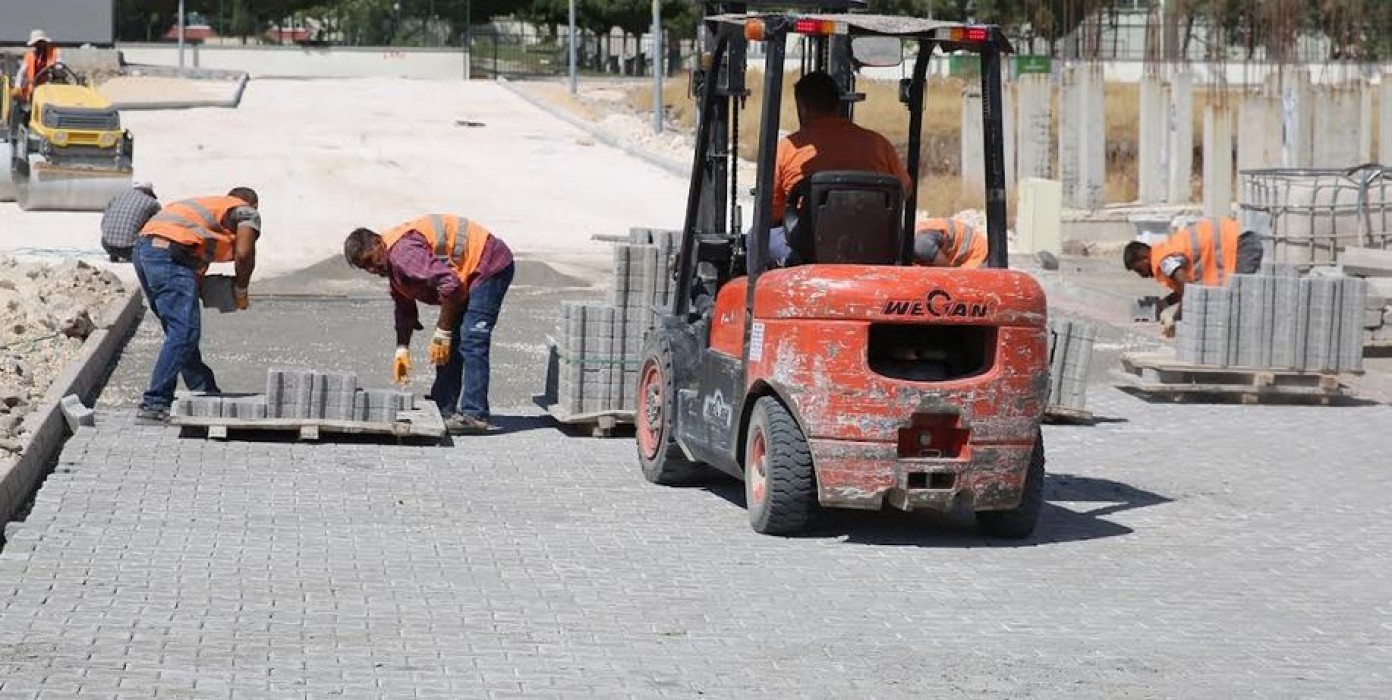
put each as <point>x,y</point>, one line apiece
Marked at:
<point>1025,64</point>
<point>964,64</point>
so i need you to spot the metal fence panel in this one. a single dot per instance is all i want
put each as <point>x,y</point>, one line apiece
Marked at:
<point>1307,216</point>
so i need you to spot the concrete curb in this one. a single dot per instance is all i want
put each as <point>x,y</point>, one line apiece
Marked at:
<point>682,170</point>
<point>192,73</point>
<point>84,376</point>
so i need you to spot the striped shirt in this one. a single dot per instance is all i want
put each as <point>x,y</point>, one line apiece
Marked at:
<point>418,276</point>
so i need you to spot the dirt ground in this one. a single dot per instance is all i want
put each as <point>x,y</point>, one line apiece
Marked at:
<point>46,311</point>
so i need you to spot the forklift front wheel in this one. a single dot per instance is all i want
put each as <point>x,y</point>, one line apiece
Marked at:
<point>779,487</point>
<point>661,458</point>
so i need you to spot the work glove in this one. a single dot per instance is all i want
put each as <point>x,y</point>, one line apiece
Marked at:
<point>239,295</point>
<point>440,347</point>
<point>401,365</point>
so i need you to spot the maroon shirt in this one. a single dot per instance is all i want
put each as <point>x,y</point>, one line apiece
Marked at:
<point>417,275</point>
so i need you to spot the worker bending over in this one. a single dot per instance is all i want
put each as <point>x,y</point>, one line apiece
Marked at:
<point>824,141</point>
<point>125,215</point>
<point>460,266</point>
<point>171,256</point>
<point>1207,252</point>
<point>949,243</point>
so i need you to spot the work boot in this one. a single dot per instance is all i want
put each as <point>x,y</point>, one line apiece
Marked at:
<point>460,424</point>
<point>151,415</point>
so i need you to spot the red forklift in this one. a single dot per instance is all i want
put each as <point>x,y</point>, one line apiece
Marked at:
<point>854,379</point>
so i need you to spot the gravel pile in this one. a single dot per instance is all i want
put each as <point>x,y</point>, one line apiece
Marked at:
<point>46,311</point>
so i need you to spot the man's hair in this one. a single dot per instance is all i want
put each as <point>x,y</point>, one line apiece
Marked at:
<point>1135,250</point>
<point>358,243</point>
<point>246,194</point>
<point>818,92</point>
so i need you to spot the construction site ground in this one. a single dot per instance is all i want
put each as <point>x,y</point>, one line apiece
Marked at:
<point>1185,550</point>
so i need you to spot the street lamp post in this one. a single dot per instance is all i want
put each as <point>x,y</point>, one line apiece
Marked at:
<point>574,86</point>
<point>657,65</point>
<point>181,35</point>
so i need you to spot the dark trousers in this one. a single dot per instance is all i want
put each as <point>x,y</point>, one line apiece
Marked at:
<point>1249,253</point>
<point>461,385</point>
<point>171,289</point>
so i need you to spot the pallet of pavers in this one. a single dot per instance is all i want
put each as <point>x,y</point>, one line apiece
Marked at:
<point>593,361</point>
<point>311,403</point>
<point>1070,361</point>
<point>1272,336</point>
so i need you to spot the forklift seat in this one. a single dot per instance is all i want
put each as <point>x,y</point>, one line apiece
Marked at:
<point>845,216</point>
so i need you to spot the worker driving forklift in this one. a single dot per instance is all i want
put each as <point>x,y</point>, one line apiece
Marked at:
<point>855,378</point>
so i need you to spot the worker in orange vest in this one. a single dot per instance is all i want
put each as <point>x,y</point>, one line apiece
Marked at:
<point>455,263</point>
<point>949,243</point>
<point>42,54</point>
<point>1207,252</point>
<point>171,255</point>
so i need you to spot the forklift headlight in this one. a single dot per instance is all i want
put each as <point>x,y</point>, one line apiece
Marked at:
<point>107,139</point>
<point>753,30</point>
<point>59,138</point>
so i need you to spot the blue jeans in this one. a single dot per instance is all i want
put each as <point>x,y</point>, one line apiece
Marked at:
<point>468,363</point>
<point>171,289</point>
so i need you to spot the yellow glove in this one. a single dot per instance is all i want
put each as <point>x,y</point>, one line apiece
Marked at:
<point>440,347</point>
<point>401,366</point>
<point>239,294</point>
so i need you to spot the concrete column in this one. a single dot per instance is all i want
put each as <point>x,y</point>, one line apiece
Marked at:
<point>1366,123</point>
<point>1082,140</point>
<point>1296,122</point>
<point>1217,162</point>
<point>1259,138</point>
<point>1335,144</point>
<point>1181,138</point>
<point>1152,175</point>
<point>973,168</point>
<point>1385,121</point>
<point>1034,94</point>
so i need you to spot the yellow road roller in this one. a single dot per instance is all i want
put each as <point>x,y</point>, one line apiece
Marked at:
<point>68,152</point>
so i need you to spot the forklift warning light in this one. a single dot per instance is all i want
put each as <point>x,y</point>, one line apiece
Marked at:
<point>818,27</point>
<point>970,34</point>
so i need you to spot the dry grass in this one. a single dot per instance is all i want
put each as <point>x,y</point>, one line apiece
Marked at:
<point>940,187</point>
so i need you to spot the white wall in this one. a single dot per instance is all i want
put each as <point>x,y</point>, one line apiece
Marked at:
<point>294,61</point>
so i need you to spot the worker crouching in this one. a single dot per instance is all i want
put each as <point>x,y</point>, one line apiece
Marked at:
<point>458,265</point>
<point>1207,252</point>
<point>949,243</point>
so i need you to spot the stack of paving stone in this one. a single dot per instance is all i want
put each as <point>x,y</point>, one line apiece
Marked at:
<point>304,395</point>
<point>1375,267</point>
<point>1070,359</point>
<point>1275,320</point>
<point>601,343</point>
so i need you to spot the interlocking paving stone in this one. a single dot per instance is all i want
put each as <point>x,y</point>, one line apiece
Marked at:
<point>1186,551</point>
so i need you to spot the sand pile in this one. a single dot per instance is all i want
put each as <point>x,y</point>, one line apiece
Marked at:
<point>45,314</point>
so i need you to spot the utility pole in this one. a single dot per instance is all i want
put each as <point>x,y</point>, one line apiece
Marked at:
<point>574,83</point>
<point>181,35</point>
<point>657,65</point>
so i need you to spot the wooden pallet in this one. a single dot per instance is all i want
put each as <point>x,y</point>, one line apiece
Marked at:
<point>1162,376</point>
<point>424,422</point>
<point>1062,415</point>
<point>601,423</point>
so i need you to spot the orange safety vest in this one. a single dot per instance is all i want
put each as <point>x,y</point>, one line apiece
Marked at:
<point>197,223</point>
<point>32,68</point>
<point>460,252</point>
<point>1212,259</point>
<point>964,245</point>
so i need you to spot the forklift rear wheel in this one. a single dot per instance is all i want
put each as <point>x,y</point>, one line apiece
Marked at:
<point>662,460</point>
<point>778,479</point>
<point>1018,522</point>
